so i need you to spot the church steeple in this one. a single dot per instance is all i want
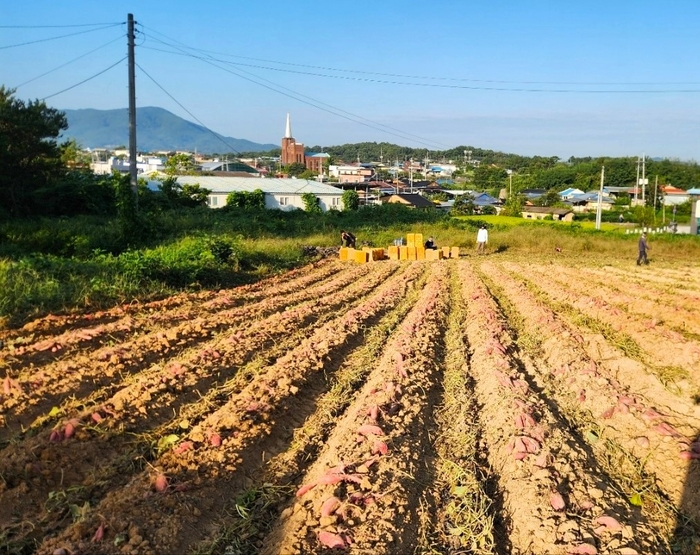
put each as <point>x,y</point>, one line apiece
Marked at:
<point>288,129</point>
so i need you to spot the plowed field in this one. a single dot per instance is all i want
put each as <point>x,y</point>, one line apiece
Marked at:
<point>479,406</point>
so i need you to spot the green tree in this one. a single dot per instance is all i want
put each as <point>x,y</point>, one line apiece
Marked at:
<point>463,205</point>
<point>180,164</point>
<point>183,196</point>
<point>246,200</point>
<point>514,206</point>
<point>295,169</point>
<point>307,174</point>
<point>550,198</point>
<point>30,158</point>
<point>311,203</point>
<point>487,177</point>
<point>351,200</point>
<point>73,156</point>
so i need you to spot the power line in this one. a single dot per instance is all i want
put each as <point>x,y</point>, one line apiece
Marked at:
<point>55,26</point>
<point>382,127</point>
<point>85,80</point>
<point>186,110</point>
<point>442,78</point>
<point>449,86</point>
<point>59,37</point>
<point>300,97</point>
<point>69,62</point>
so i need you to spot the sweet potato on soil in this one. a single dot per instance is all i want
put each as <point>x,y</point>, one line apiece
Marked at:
<point>332,541</point>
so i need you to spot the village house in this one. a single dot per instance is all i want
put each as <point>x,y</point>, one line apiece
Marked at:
<point>280,193</point>
<point>542,212</point>
<point>410,200</point>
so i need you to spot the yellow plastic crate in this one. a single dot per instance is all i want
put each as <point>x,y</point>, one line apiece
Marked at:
<point>393,252</point>
<point>403,252</point>
<point>361,257</point>
<point>454,252</point>
<point>420,253</point>
<point>343,254</point>
<point>412,253</point>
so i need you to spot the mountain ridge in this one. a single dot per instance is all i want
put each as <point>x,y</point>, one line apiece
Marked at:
<point>156,129</point>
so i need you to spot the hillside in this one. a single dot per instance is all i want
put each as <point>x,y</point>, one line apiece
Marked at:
<point>157,129</point>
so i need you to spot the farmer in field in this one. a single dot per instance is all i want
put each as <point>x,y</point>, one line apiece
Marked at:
<point>643,248</point>
<point>347,239</point>
<point>430,244</point>
<point>482,237</point>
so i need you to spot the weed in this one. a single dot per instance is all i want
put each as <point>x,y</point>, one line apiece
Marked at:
<point>249,517</point>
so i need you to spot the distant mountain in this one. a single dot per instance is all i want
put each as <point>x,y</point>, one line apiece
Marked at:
<point>156,129</point>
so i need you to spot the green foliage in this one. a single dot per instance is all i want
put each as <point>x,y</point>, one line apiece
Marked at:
<point>175,195</point>
<point>311,203</point>
<point>245,199</point>
<point>351,200</point>
<point>486,177</point>
<point>307,174</point>
<point>294,170</point>
<point>463,206</point>
<point>489,210</point>
<point>180,164</point>
<point>644,215</point>
<point>550,198</point>
<point>30,158</point>
<point>514,206</point>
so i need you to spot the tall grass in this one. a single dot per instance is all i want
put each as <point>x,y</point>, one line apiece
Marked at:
<point>50,265</point>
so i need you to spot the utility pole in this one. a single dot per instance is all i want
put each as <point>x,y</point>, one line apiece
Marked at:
<point>656,188</point>
<point>132,112</point>
<point>599,209</point>
<point>644,156</point>
<point>636,185</point>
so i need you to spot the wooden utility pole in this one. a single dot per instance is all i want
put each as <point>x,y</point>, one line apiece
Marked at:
<point>132,112</point>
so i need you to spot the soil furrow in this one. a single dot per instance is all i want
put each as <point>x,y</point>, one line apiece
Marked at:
<point>256,412</point>
<point>236,532</point>
<point>369,475</point>
<point>40,391</point>
<point>669,351</point>
<point>609,399</point>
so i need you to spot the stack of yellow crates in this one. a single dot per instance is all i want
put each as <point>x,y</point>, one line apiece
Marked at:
<point>414,249</point>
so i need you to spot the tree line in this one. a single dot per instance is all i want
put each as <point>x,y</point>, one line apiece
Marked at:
<point>42,177</point>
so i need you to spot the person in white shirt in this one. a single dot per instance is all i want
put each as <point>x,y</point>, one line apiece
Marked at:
<point>482,237</point>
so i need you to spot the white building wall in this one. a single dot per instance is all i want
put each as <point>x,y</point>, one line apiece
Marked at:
<point>282,201</point>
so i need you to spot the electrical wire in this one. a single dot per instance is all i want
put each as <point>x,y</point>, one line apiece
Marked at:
<point>450,86</point>
<point>59,37</point>
<point>56,26</point>
<point>68,63</point>
<point>85,80</point>
<point>439,78</point>
<point>311,102</point>
<point>186,110</point>
<point>295,95</point>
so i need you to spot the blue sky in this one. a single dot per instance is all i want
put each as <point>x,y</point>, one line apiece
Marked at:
<point>617,78</point>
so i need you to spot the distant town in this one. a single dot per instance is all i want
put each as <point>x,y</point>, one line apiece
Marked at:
<point>441,183</point>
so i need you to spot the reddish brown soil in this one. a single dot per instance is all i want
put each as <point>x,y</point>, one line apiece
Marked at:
<point>211,422</point>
